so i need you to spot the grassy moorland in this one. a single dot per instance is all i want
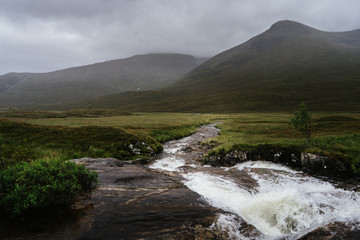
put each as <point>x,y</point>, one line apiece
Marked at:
<point>78,135</point>
<point>160,126</point>
<point>29,135</point>
<point>251,129</point>
<point>33,172</point>
<point>335,133</point>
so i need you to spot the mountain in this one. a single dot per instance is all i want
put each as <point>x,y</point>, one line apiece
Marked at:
<point>140,72</point>
<point>10,80</point>
<point>274,71</point>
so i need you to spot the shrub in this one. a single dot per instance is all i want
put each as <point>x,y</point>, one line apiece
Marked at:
<point>356,165</point>
<point>302,122</point>
<point>10,154</point>
<point>41,184</point>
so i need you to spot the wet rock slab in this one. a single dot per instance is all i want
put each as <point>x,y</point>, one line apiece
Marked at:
<point>135,202</point>
<point>334,231</point>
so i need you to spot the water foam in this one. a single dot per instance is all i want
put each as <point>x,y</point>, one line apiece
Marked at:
<point>170,164</point>
<point>173,161</point>
<point>263,165</point>
<point>176,146</point>
<point>286,204</point>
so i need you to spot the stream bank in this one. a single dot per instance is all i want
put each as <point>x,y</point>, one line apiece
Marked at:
<point>176,197</point>
<point>292,156</point>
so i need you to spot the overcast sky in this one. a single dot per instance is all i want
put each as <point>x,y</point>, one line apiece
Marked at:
<point>46,35</point>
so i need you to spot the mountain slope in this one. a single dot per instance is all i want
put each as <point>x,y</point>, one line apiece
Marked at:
<point>143,72</point>
<point>273,71</point>
<point>9,80</point>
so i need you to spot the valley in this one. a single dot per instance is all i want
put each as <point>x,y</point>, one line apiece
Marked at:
<point>175,146</point>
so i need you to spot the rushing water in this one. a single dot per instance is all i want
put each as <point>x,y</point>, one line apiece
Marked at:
<point>277,201</point>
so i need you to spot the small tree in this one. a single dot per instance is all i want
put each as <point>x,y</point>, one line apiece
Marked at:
<point>302,122</point>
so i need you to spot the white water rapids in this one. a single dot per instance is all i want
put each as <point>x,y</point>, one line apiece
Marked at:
<point>279,202</point>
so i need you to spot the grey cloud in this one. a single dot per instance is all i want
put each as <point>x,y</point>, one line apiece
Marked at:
<point>44,35</point>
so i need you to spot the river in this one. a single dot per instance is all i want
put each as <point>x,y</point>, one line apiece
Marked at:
<point>280,203</point>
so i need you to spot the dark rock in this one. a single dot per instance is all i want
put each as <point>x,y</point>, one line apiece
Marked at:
<point>139,161</point>
<point>317,234</point>
<point>323,165</point>
<point>287,156</point>
<point>97,163</point>
<point>314,164</point>
<point>141,148</point>
<point>134,202</point>
<point>334,231</point>
<point>187,149</point>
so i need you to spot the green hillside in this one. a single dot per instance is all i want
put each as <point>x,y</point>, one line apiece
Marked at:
<point>273,71</point>
<point>140,72</point>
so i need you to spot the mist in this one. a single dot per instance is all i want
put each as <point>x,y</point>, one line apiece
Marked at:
<point>46,35</point>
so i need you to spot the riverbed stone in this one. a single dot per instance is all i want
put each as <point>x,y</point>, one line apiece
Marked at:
<point>323,165</point>
<point>135,202</point>
<point>334,231</point>
<point>287,156</point>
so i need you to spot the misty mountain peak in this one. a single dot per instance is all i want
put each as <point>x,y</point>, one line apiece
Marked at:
<point>288,26</point>
<point>146,72</point>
